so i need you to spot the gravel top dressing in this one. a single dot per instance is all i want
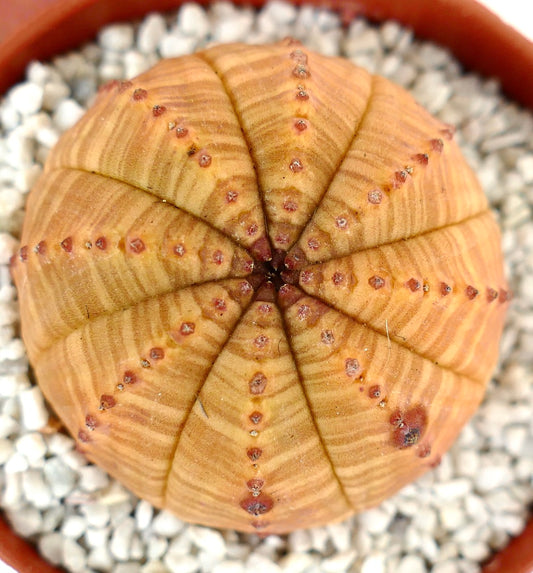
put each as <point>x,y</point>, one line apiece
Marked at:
<point>452,519</point>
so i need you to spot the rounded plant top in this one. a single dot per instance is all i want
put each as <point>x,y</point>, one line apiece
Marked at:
<point>260,286</point>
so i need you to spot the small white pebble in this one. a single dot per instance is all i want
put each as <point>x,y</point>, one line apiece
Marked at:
<point>116,38</point>
<point>6,450</point>
<point>166,524</point>
<point>181,563</point>
<point>100,558</point>
<point>193,20</point>
<point>144,513</point>
<point>373,564</point>
<point>26,98</point>
<point>411,564</point>
<point>121,539</point>
<point>68,112</point>
<point>151,30</point>
<point>208,539</point>
<point>235,567</point>
<point>257,563</point>
<point>51,547</point>
<point>92,478</point>
<point>94,537</point>
<point>339,562</point>
<point>26,521</point>
<point>36,490</point>
<point>32,446</point>
<point>34,413</point>
<point>8,244</point>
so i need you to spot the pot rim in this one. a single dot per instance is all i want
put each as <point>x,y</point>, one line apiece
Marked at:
<point>482,42</point>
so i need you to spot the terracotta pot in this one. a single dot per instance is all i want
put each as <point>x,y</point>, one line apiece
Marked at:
<point>38,29</point>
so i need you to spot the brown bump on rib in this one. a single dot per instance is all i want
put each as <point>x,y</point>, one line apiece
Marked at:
<point>40,248</point>
<point>296,165</point>
<point>129,377</point>
<point>300,125</point>
<point>107,402</point>
<point>139,94</point>
<point>376,282</point>
<point>504,295</point>
<point>374,391</point>
<point>83,436</point>
<point>157,353</point>
<point>261,341</point>
<point>255,417</point>
<point>421,158</point>
<point>399,178</point>
<point>182,132</point>
<point>448,132</point>
<point>375,196</point>
<point>471,292</point>
<point>101,243</point>
<point>124,86</point>
<point>257,383</point>
<point>220,304</point>
<point>204,160</point>
<point>158,110</point>
<point>352,367</point>
<point>66,244</point>
<point>90,422</point>
<point>313,243</point>
<point>187,328</point>
<point>408,427</point>
<point>492,294</point>
<point>290,205</point>
<point>437,145</point>
<point>136,245</point>
<point>218,257</point>
<point>23,253</point>
<point>255,485</point>
<point>231,196</point>
<point>445,289</point>
<point>413,284</point>
<point>301,71</point>
<point>257,505</point>
<point>327,337</point>
<point>341,222</point>
<point>296,259</point>
<point>337,278</point>
<point>179,250</point>
<point>254,454</point>
<point>261,249</point>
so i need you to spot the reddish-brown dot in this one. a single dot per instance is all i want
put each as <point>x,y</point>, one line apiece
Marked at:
<point>219,304</point>
<point>257,383</point>
<point>306,277</point>
<point>257,505</point>
<point>187,328</point>
<point>231,196</point>
<point>179,250</point>
<point>400,177</point>
<point>40,248</point>
<point>301,71</point>
<point>157,353</point>
<point>283,238</point>
<point>218,257</point>
<point>376,282</point>
<point>90,422</point>
<point>471,292</point>
<point>351,367</point>
<point>409,426</point>
<point>181,132</point>
<point>327,337</point>
<point>290,205</point>
<point>66,244</point>
<point>261,341</point>
<point>492,294</point>
<point>158,110</point>
<point>313,243</point>
<point>252,229</point>
<point>299,56</point>
<point>300,124</point>
<point>445,289</point>
<point>265,308</point>
<point>341,222</point>
<point>101,243</point>
<point>375,196</point>
<point>296,166</point>
<point>255,417</point>
<point>448,131</point>
<point>337,278</point>
<point>83,436</point>
<point>504,296</point>
<point>107,402</point>
<point>302,94</point>
<point>136,245</point>
<point>421,158</point>
<point>139,94</point>
<point>245,287</point>
<point>437,145</point>
<point>129,377</point>
<point>255,485</point>
<point>23,253</point>
<point>204,160</point>
<point>124,85</point>
<point>413,285</point>
<point>304,311</point>
<point>254,454</point>
<point>424,450</point>
<point>374,391</point>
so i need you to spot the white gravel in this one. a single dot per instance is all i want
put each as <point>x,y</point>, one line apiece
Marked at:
<point>449,521</point>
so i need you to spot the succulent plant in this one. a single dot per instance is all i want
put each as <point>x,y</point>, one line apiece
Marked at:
<point>260,286</point>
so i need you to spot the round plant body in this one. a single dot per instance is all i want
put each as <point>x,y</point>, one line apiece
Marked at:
<point>261,287</point>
